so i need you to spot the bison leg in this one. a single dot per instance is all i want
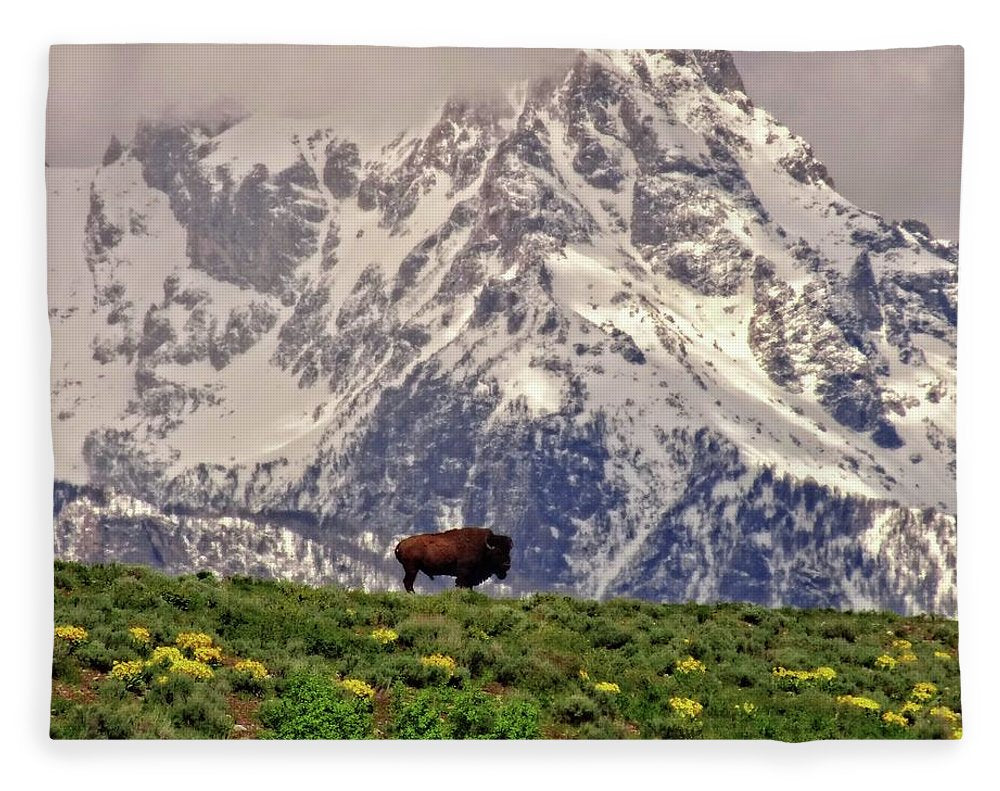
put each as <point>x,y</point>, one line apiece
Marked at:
<point>408,578</point>
<point>468,577</point>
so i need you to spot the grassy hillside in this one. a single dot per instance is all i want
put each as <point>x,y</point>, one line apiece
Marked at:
<point>200,657</point>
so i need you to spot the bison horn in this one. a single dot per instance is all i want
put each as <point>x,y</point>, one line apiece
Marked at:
<point>489,543</point>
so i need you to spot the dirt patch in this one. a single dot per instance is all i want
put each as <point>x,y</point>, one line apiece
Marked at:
<point>244,714</point>
<point>382,714</point>
<point>84,692</point>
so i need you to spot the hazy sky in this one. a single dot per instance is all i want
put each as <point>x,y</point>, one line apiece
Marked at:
<point>888,124</point>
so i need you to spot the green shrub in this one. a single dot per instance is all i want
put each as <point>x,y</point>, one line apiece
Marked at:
<point>247,683</point>
<point>311,707</point>
<point>328,640</point>
<point>94,654</point>
<point>419,717</point>
<point>600,729</point>
<point>670,726</point>
<point>575,710</point>
<point>518,719</point>
<point>64,580</point>
<point>178,600</point>
<point>203,711</point>
<point>491,620</point>
<point>606,634</point>
<point>169,688</point>
<point>471,714</point>
<point>535,674</point>
<point>65,666</point>
<point>130,594</point>
<point>100,720</point>
<point>478,657</point>
<point>842,629</point>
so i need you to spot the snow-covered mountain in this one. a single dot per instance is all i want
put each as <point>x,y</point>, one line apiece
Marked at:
<point>630,323</point>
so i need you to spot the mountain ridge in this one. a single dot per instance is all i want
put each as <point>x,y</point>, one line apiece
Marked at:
<point>633,324</point>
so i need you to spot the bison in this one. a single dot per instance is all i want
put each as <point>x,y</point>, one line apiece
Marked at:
<point>470,554</point>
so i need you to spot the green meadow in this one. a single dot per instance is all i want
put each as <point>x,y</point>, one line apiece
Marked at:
<point>140,655</point>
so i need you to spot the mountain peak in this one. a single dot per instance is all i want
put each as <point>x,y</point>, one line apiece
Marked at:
<point>633,324</point>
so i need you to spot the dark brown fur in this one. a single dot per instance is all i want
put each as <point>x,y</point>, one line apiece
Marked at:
<point>470,554</point>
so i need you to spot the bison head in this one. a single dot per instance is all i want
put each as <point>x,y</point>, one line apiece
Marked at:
<point>498,551</point>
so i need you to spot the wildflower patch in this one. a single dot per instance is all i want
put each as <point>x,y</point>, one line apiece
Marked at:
<point>686,707</point>
<point>798,677</point>
<point>859,702</point>
<point>440,661</point>
<point>384,636</point>
<point>689,665</point>
<point>252,668</point>
<point>140,635</point>
<point>74,635</point>
<point>193,640</point>
<point>130,673</point>
<point>358,687</point>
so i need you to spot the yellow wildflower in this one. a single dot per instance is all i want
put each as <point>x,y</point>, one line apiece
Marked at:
<point>690,665</point>
<point>165,655</point>
<point>128,672</point>
<point>193,668</point>
<point>446,663</point>
<point>193,640</point>
<point>910,709</point>
<point>584,675</point>
<point>358,687</point>
<point>945,713</point>
<point>384,636</point>
<point>607,686</point>
<point>746,707</point>
<point>251,667</point>
<point>892,718</point>
<point>801,676</point>
<point>161,679</point>
<point>956,734</point>
<point>909,656</point>
<point>210,655</point>
<point>862,703</point>
<point>74,635</point>
<point>923,691</point>
<point>885,661</point>
<point>902,645</point>
<point>172,659</point>
<point>140,634</point>
<point>942,655</point>
<point>686,707</point>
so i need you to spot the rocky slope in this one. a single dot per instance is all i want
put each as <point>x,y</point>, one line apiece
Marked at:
<point>631,324</point>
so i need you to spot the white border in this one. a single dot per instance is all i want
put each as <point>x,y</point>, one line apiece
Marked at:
<point>27,461</point>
